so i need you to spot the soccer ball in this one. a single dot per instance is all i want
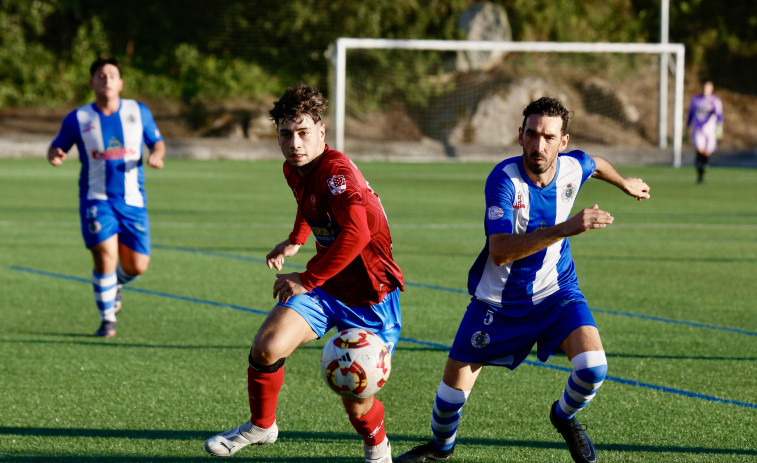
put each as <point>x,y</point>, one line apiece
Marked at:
<point>356,363</point>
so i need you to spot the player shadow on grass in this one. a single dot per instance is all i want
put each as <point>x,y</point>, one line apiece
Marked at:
<point>309,437</point>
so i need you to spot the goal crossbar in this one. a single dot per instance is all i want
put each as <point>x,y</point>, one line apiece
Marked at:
<point>338,51</point>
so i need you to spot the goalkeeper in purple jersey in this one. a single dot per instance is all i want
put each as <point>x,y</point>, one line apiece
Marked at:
<point>109,135</point>
<point>523,286</point>
<point>706,123</point>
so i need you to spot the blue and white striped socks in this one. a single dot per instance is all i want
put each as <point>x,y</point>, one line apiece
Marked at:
<point>445,418</point>
<point>589,371</point>
<point>104,287</point>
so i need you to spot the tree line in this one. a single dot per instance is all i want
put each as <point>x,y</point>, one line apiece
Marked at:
<point>196,50</point>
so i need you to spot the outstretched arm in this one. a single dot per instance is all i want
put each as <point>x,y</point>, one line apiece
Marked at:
<point>505,248</point>
<point>631,186</point>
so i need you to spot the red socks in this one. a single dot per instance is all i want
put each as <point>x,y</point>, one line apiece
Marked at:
<point>371,425</point>
<point>263,391</point>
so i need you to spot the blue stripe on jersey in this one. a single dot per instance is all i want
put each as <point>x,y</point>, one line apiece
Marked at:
<point>515,205</point>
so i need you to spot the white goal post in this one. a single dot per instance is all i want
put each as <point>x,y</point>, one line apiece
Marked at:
<point>338,54</point>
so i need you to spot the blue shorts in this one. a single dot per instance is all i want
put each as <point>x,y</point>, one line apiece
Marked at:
<point>491,338</point>
<point>323,312</point>
<point>100,220</point>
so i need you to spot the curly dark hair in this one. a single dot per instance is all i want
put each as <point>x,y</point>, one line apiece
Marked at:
<point>299,100</point>
<point>548,106</point>
<point>102,61</point>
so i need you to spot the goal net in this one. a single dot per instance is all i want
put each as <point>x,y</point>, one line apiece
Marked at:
<point>407,99</point>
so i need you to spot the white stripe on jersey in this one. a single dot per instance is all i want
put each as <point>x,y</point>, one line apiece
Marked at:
<point>545,282</point>
<point>131,123</point>
<point>92,136</point>
<point>494,277</point>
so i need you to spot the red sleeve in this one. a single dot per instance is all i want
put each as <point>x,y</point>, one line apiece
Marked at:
<point>301,230</point>
<point>354,236</point>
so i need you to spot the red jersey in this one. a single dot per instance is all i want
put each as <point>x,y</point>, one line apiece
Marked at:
<point>353,260</point>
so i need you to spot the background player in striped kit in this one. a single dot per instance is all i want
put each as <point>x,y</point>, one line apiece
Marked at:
<point>109,135</point>
<point>523,285</point>
<point>706,123</point>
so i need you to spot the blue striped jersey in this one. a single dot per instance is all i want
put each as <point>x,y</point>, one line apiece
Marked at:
<point>110,150</point>
<point>515,205</point>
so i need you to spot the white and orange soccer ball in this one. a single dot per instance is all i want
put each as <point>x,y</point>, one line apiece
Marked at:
<point>356,363</point>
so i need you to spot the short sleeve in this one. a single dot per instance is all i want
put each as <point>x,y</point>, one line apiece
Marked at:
<point>500,195</point>
<point>151,133</point>
<point>68,134</point>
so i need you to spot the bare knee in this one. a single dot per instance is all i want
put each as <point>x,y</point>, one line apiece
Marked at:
<point>261,355</point>
<point>267,349</point>
<point>135,268</point>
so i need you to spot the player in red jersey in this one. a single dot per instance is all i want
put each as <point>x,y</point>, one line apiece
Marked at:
<point>352,281</point>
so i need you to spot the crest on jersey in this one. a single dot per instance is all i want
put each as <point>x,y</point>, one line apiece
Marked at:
<point>94,227</point>
<point>494,213</point>
<point>568,192</point>
<point>337,184</point>
<point>480,339</point>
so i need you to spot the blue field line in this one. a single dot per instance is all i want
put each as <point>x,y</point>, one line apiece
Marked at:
<point>628,382</point>
<point>670,320</point>
<point>462,291</point>
<point>409,340</point>
<point>144,291</point>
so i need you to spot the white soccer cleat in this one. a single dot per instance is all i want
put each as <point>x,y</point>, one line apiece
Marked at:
<point>381,453</point>
<point>228,443</point>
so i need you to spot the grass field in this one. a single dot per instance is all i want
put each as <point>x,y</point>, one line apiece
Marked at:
<point>672,283</point>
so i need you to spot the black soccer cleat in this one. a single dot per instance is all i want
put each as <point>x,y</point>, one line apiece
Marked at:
<point>581,448</point>
<point>107,329</point>
<point>425,452</point>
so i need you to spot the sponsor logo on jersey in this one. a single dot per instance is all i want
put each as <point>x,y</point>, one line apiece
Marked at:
<point>495,212</point>
<point>89,127</point>
<point>480,339</point>
<point>324,233</point>
<point>519,204</point>
<point>114,152</point>
<point>337,184</point>
<point>568,192</point>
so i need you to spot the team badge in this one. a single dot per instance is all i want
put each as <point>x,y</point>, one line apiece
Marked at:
<point>480,339</point>
<point>495,212</point>
<point>568,192</point>
<point>94,227</point>
<point>337,184</point>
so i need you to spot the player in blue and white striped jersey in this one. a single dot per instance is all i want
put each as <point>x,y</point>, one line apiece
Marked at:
<point>523,286</point>
<point>109,135</point>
